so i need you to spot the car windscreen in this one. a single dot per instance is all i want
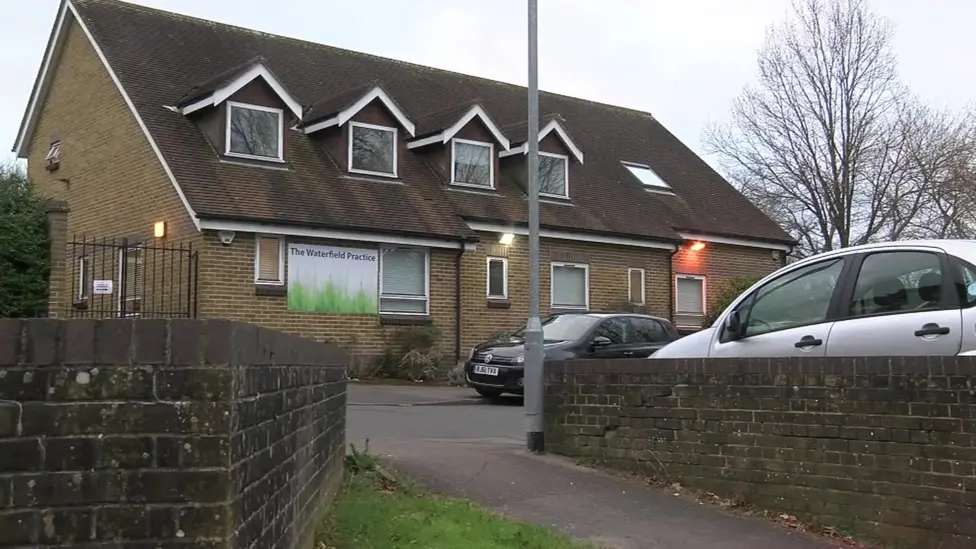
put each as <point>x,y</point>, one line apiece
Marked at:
<point>563,327</point>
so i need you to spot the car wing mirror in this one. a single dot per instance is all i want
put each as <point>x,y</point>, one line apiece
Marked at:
<point>600,341</point>
<point>733,325</point>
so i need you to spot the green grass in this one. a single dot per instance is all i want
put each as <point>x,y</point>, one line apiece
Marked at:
<point>329,298</point>
<point>373,512</point>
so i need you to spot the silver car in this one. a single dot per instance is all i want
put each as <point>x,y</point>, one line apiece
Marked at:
<point>893,299</point>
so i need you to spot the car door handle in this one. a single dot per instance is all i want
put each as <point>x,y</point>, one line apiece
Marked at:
<point>627,353</point>
<point>932,329</point>
<point>808,341</point>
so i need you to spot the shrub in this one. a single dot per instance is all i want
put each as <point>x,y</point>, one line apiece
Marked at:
<point>732,289</point>
<point>409,354</point>
<point>24,261</point>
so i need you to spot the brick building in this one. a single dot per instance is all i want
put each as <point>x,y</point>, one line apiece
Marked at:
<point>340,195</point>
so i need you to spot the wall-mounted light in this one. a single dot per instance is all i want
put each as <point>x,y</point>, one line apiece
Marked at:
<point>698,245</point>
<point>159,229</point>
<point>507,239</point>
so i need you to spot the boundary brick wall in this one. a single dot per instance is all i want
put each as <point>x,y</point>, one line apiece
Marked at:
<point>883,448</point>
<point>166,434</point>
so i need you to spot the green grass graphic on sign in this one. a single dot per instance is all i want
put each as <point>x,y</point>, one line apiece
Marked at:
<point>329,298</point>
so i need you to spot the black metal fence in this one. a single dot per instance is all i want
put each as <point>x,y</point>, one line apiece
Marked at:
<point>115,277</point>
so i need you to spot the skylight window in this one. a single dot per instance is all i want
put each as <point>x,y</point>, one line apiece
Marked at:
<point>646,176</point>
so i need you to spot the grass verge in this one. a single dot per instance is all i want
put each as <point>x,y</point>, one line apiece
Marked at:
<point>374,511</point>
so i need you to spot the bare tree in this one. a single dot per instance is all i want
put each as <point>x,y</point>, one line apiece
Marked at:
<point>828,142</point>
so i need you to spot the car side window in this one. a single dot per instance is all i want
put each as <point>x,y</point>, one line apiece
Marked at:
<point>897,282</point>
<point>647,330</point>
<point>797,298</point>
<point>965,282</point>
<point>615,329</point>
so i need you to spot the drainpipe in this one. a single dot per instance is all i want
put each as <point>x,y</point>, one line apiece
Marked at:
<point>673,298</point>
<point>457,305</point>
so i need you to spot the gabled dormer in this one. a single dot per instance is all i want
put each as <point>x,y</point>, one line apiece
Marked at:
<point>462,144</point>
<point>244,113</point>
<point>361,129</point>
<point>557,154</point>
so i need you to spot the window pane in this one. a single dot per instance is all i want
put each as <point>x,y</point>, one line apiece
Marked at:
<point>84,278</point>
<point>690,296</point>
<point>966,285</point>
<point>404,273</point>
<point>798,297</point>
<point>372,149</point>
<point>568,287</point>
<point>617,330</point>
<point>892,282</point>
<point>496,278</point>
<point>636,286</point>
<point>472,164</point>
<point>254,132</point>
<point>648,331</point>
<point>552,175</point>
<point>269,255</point>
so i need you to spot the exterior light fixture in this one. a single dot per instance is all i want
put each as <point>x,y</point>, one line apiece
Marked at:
<point>507,239</point>
<point>698,245</point>
<point>159,229</point>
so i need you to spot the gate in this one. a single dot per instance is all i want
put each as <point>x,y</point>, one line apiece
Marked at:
<point>115,278</point>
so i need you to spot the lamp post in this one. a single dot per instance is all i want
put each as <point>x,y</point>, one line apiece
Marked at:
<point>535,437</point>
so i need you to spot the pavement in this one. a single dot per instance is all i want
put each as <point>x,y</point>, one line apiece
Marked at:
<point>463,446</point>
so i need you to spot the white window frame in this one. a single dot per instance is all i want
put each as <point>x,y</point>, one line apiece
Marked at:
<point>491,163</point>
<point>552,294</point>
<point>663,186</point>
<point>565,160</point>
<point>704,280</point>
<point>352,126</point>
<point>281,131</point>
<point>281,260</point>
<point>426,298</point>
<point>123,252</point>
<point>83,291</point>
<point>504,261</point>
<point>54,153</point>
<point>643,289</point>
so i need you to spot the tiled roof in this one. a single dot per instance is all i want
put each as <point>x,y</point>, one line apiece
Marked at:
<point>159,57</point>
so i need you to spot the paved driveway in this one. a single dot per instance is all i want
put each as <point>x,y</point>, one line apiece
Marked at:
<point>459,445</point>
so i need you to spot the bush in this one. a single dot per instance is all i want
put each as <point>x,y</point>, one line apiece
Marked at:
<point>409,354</point>
<point>24,251</point>
<point>730,291</point>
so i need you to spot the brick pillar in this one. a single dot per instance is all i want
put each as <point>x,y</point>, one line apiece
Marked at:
<point>59,285</point>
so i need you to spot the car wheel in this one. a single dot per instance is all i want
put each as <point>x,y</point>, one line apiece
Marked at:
<point>488,393</point>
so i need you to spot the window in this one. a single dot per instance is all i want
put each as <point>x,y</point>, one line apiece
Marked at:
<point>403,281</point>
<point>553,178</point>
<point>473,163</point>
<point>635,286</point>
<point>797,298</point>
<point>570,286</point>
<point>84,278</point>
<point>132,280</point>
<point>269,260</point>
<point>646,176</point>
<point>497,277</point>
<point>689,301</point>
<point>965,282</point>
<point>617,329</point>
<point>647,330</point>
<point>372,149</point>
<point>254,131</point>
<point>895,282</point>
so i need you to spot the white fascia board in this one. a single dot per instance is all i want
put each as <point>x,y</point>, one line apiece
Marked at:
<point>449,133</point>
<point>749,243</point>
<point>568,235</point>
<point>346,114</point>
<point>226,91</point>
<point>333,234</point>
<point>553,126</point>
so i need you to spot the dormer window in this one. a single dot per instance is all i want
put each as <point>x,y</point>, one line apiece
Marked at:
<point>372,149</point>
<point>646,176</point>
<point>473,164</point>
<point>255,132</point>
<point>553,175</point>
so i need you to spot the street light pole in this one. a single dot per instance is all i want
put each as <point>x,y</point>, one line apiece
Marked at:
<point>535,437</point>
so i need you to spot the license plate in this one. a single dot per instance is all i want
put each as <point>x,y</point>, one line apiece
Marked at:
<point>485,370</point>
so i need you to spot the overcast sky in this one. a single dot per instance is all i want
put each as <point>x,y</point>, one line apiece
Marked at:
<point>683,61</point>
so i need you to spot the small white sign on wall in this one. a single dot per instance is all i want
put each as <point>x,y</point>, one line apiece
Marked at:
<point>102,287</point>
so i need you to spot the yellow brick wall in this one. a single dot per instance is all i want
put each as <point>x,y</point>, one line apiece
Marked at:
<point>608,281</point>
<point>116,186</point>
<point>227,290</point>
